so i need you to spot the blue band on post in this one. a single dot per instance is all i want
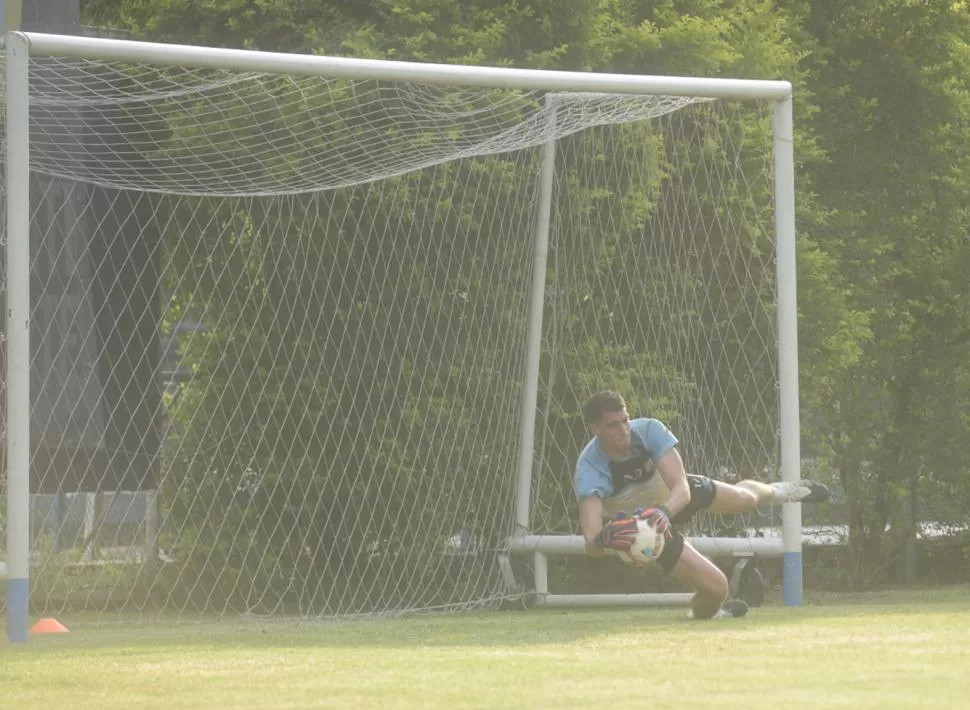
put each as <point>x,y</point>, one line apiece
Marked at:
<point>792,579</point>
<point>18,609</point>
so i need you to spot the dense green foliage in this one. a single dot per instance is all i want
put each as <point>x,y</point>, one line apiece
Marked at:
<point>891,79</point>
<point>883,148</point>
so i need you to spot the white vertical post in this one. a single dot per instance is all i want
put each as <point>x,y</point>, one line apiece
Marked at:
<point>18,335</point>
<point>151,528</point>
<point>530,390</point>
<point>784,153</point>
<point>541,573</point>
<point>90,505</point>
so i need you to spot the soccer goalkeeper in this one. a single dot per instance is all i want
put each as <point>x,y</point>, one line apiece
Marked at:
<point>631,464</point>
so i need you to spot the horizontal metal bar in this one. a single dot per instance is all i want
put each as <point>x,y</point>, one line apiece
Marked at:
<point>344,67</point>
<point>583,600</point>
<point>710,546</point>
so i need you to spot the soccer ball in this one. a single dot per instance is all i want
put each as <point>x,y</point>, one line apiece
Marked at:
<point>646,547</point>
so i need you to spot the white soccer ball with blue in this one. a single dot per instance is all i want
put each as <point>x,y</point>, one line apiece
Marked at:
<point>646,547</point>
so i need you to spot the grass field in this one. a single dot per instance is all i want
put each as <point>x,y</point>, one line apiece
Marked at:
<point>893,649</point>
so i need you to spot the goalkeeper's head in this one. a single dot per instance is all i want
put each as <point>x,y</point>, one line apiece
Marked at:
<point>605,414</point>
<point>601,403</point>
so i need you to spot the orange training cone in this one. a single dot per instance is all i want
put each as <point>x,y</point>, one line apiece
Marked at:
<point>48,626</point>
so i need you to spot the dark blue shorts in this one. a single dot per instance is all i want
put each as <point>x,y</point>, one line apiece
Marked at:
<point>702,493</point>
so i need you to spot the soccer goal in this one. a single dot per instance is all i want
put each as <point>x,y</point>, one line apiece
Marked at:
<point>309,335</point>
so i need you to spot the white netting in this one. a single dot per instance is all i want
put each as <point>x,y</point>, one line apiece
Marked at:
<point>279,326</point>
<point>663,288</point>
<point>217,133</point>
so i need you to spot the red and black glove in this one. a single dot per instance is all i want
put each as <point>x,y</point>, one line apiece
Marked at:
<point>617,535</point>
<point>659,520</point>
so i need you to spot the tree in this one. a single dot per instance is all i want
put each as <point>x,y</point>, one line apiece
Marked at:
<point>891,82</point>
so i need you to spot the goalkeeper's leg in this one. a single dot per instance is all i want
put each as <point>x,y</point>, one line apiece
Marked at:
<point>716,496</point>
<point>685,563</point>
<point>749,494</point>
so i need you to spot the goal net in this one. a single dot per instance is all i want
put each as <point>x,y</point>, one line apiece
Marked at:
<point>279,326</point>
<point>662,287</point>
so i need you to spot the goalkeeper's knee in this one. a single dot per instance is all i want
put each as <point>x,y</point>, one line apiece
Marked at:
<point>705,605</point>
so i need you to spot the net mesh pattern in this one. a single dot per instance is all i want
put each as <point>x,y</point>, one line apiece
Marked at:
<point>279,325</point>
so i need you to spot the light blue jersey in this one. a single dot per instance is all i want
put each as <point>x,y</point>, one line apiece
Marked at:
<point>596,474</point>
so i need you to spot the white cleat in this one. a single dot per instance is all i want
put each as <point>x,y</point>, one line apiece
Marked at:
<point>800,492</point>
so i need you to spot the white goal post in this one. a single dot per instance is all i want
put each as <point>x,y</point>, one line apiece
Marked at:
<point>319,325</point>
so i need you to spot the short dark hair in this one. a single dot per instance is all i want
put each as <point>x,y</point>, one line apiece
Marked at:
<point>601,403</point>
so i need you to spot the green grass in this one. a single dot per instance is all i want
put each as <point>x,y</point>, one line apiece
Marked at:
<point>895,649</point>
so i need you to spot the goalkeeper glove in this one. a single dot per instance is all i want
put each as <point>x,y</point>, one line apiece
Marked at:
<point>617,535</point>
<point>659,520</point>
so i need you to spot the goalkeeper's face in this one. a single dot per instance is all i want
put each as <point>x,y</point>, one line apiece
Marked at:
<point>613,431</point>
